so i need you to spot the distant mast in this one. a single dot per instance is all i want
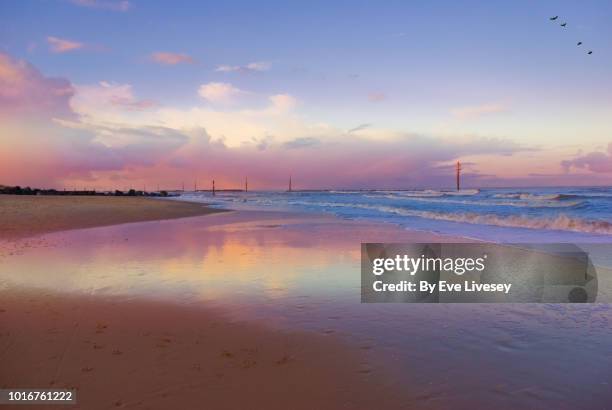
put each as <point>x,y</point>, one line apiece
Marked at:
<point>289,183</point>
<point>213,187</point>
<point>458,175</point>
<point>246,184</point>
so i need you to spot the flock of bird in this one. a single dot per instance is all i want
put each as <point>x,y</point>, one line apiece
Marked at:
<point>564,24</point>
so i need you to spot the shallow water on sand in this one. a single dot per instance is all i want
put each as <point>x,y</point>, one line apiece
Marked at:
<point>302,272</point>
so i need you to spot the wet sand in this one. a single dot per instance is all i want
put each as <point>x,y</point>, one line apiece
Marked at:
<point>136,351</point>
<point>25,215</point>
<point>211,312</point>
<point>126,353</point>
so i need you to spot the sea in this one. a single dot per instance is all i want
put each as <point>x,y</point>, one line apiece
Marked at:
<point>504,215</point>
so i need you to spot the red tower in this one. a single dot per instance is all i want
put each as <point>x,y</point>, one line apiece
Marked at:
<point>458,175</point>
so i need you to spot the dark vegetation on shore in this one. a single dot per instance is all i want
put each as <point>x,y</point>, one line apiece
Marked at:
<point>17,190</point>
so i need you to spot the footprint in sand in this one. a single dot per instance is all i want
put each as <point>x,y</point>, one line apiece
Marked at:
<point>227,354</point>
<point>86,369</point>
<point>117,352</point>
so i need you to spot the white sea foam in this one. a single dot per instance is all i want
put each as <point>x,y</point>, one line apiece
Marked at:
<point>519,204</point>
<point>561,222</point>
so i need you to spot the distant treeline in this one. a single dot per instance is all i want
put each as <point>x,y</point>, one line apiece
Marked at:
<point>17,190</point>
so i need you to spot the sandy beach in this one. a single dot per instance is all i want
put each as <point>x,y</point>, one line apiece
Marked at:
<point>125,353</point>
<point>262,309</point>
<point>22,215</point>
<point>134,351</point>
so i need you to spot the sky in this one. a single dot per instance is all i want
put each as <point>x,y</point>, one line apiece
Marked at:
<point>346,94</point>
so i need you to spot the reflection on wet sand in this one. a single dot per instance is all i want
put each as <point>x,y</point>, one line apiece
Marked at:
<point>301,272</point>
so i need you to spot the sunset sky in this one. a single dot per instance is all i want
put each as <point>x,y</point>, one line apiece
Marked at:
<point>118,94</point>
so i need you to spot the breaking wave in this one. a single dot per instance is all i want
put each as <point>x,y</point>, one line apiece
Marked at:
<point>561,222</point>
<point>433,193</point>
<point>519,204</point>
<point>536,197</point>
<point>567,212</point>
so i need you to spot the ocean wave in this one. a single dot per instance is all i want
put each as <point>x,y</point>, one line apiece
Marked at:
<point>517,204</point>
<point>557,221</point>
<point>561,222</point>
<point>418,194</point>
<point>536,197</point>
<point>462,192</point>
<point>434,193</point>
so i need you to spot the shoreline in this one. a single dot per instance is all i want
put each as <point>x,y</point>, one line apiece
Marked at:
<point>183,354</point>
<point>63,327</point>
<point>27,216</point>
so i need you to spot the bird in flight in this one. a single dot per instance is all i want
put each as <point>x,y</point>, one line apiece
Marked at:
<point>564,24</point>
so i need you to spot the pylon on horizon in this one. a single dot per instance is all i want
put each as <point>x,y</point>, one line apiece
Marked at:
<point>458,175</point>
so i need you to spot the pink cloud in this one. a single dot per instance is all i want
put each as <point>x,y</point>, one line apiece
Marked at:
<point>597,161</point>
<point>407,162</point>
<point>25,91</point>
<point>377,97</point>
<point>107,153</point>
<point>166,58</point>
<point>60,45</point>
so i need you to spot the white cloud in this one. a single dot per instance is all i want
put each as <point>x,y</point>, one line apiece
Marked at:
<point>283,102</point>
<point>104,105</point>
<point>216,92</point>
<point>108,102</point>
<point>122,5</point>
<point>250,67</point>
